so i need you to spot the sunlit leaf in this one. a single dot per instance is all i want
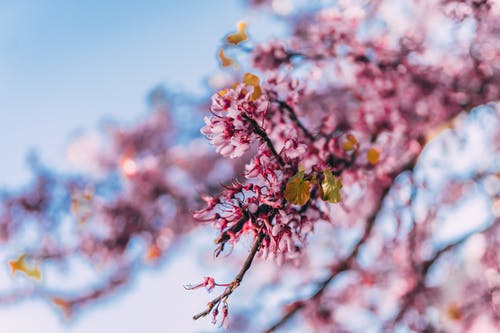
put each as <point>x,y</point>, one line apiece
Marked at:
<point>373,156</point>
<point>330,187</point>
<point>225,61</point>
<point>239,36</point>
<point>351,143</point>
<point>20,265</point>
<point>222,92</point>
<point>297,190</point>
<point>253,80</point>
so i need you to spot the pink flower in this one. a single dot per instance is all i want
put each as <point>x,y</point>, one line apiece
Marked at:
<point>229,129</point>
<point>270,56</point>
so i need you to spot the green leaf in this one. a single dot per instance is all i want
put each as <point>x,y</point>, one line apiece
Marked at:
<point>297,190</point>
<point>330,187</point>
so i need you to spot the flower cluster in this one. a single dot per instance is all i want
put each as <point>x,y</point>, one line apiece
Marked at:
<point>126,215</point>
<point>345,158</point>
<point>332,139</point>
<point>235,110</point>
<point>270,56</point>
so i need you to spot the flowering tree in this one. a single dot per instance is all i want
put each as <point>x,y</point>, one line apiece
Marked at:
<point>139,193</point>
<point>327,149</point>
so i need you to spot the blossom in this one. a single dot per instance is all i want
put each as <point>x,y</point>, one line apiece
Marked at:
<point>270,56</point>
<point>228,129</point>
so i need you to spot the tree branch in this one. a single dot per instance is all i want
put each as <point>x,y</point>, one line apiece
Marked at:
<point>262,134</point>
<point>342,266</point>
<point>348,261</point>
<point>293,117</point>
<point>410,296</point>
<point>237,280</point>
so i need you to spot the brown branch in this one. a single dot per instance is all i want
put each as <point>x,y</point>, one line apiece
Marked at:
<point>225,236</point>
<point>15,296</point>
<point>69,303</point>
<point>410,296</point>
<point>234,229</point>
<point>486,297</point>
<point>348,261</point>
<point>237,280</point>
<point>262,134</point>
<point>114,282</point>
<point>293,117</point>
<point>342,266</point>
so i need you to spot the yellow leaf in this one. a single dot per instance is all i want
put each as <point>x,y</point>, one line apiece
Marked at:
<point>238,36</point>
<point>253,80</point>
<point>373,156</point>
<point>297,189</point>
<point>20,265</point>
<point>351,143</point>
<point>330,187</point>
<point>223,92</point>
<point>256,92</point>
<point>225,61</point>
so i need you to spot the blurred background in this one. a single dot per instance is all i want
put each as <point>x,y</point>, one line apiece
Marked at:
<point>66,66</point>
<point>71,67</point>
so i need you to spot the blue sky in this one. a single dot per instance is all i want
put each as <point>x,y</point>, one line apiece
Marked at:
<point>66,65</point>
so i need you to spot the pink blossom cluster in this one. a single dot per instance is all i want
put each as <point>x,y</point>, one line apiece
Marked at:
<point>347,112</point>
<point>141,196</point>
<point>341,154</point>
<point>228,128</point>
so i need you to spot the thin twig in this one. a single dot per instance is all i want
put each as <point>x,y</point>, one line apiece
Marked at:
<point>348,261</point>
<point>293,116</point>
<point>342,266</point>
<point>262,134</point>
<point>410,296</point>
<point>237,280</point>
<point>486,297</point>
